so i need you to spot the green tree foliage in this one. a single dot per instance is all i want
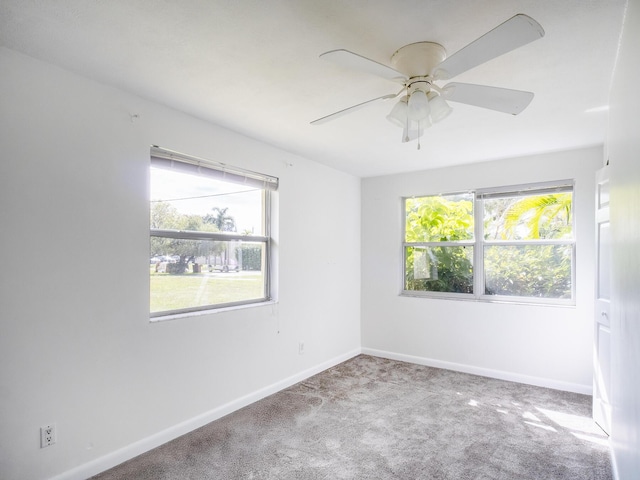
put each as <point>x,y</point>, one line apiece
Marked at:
<point>222,221</point>
<point>532,270</point>
<point>251,257</point>
<point>166,217</point>
<point>439,219</point>
<point>542,271</point>
<point>163,216</point>
<point>532,217</point>
<point>529,270</point>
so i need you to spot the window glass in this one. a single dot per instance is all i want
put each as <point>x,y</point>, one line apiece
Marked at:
<point>183,201</point>
<point>522,244</point>
<point>439,269</point>
<point>209,243</point>
<point>439,218</point>
<point>214,273</point>
<point>528,217</point>
<point>542,271</point>
<point>439,232</point>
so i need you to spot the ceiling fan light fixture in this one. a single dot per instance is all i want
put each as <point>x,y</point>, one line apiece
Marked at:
<point>418,105</point>
<point>440,109</point>
<point>424,123</point>
<point>398,114</point>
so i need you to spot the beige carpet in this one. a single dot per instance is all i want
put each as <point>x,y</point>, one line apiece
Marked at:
<point>371,418</point>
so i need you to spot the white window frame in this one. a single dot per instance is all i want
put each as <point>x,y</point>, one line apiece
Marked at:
<point>228,173</point>
<point>479,243</point>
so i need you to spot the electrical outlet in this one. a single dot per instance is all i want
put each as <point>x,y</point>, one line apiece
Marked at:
<point>47,435</point>
<point>301,348</point>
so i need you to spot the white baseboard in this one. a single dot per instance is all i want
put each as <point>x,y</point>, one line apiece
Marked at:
<point>144,445</point>
<point>122,455</point>
<point>485,372</point>
<point>614,462</point>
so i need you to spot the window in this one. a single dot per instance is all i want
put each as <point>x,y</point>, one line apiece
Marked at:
<point>439,243</point>
<point>511,244</point>
<point>209,234</point>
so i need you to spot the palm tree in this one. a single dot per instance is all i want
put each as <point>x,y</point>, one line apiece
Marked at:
<point>544,216</point>
<point>224,222</point>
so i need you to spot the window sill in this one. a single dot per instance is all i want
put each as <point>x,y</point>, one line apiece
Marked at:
<point>210,311</point>
<point>486,299</point>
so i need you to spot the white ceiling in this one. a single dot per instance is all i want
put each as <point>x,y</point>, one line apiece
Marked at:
<point>253,66</point>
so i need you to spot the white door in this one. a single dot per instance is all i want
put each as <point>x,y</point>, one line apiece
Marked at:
<point>602,333</point>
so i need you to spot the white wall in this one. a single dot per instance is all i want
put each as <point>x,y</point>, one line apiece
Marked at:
<point>534,344</point>
<point>76,344</point>
<point>624,155</point>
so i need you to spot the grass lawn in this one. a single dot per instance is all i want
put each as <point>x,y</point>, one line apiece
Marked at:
<point>171,292</point>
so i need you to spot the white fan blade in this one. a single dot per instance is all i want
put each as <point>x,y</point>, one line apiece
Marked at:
<point>515,32</point>
<point>348,59</point>
<point>340,113</point>
<point>493,98</point>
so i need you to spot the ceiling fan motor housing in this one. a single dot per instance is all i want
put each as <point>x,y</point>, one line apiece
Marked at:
<point>418,59</point>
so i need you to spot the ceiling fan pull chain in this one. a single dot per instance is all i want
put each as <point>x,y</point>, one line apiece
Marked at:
<point>406,137</point>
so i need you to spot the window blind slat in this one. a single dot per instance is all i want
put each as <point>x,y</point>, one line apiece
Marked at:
<point>213,236</point>
<point>516,191</point>
<point>166,159</point>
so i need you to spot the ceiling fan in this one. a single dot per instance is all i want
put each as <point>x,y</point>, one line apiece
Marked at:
<point>419,66</point>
